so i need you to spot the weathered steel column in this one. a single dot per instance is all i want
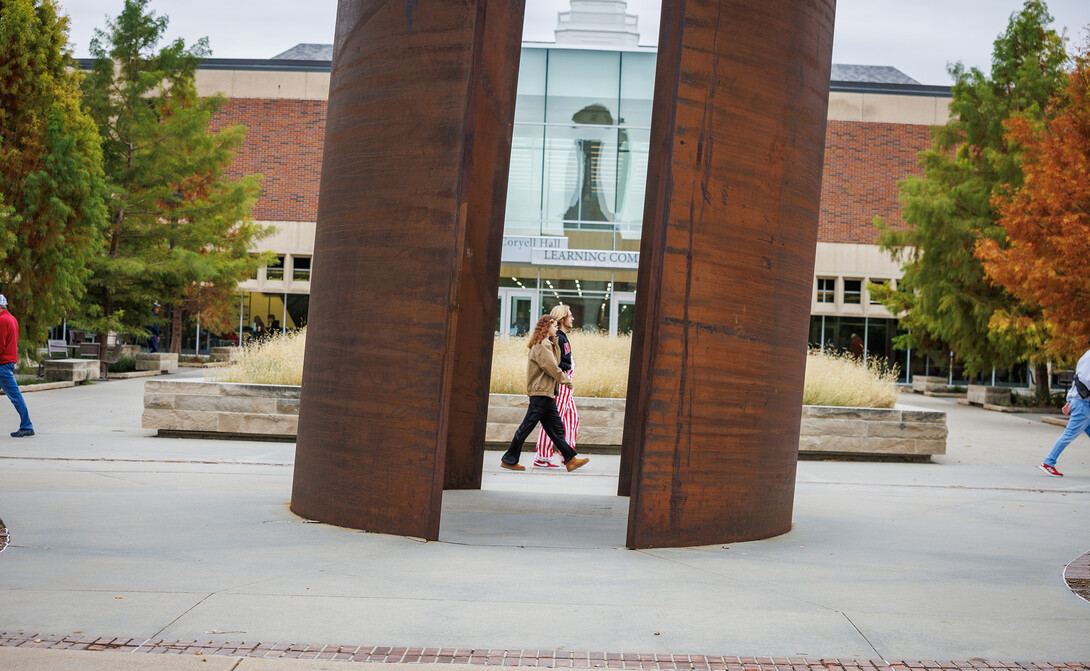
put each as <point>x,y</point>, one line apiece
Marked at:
<point>726,266</point>
<point>410,222</point>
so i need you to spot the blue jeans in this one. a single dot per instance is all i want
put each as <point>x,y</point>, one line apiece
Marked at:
<point>1078,423</point>
<point>11,389</point>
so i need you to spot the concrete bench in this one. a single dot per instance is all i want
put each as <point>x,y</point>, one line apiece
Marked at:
<point>160,361</point>
<point>923,383</point>
<point>70,370</point>
<point>980,394</point>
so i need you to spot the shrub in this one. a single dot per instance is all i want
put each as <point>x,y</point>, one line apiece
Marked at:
<point>837,378</point>
<point>125,364</point>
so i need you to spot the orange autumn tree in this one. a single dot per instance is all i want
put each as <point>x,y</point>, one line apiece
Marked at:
<point>1045,260</point>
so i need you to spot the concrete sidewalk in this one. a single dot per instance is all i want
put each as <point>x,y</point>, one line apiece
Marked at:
<point>119,534</point>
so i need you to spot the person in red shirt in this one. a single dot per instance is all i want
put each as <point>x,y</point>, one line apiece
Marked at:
<point>9,356</point>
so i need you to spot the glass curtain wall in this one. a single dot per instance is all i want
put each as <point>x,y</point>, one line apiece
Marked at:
<point>579,167</point>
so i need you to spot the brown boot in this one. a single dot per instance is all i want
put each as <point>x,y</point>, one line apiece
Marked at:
<point>514,467</point>
<point>575,463</point>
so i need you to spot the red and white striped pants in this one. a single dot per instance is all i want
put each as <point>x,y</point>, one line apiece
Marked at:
<point>565,405</point>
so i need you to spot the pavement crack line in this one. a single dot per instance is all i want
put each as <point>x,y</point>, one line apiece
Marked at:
<point>880,656</point>
<point>187,611</point>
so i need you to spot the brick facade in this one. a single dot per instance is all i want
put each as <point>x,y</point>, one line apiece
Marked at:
<point>863,163</point>
<point>284,141</point>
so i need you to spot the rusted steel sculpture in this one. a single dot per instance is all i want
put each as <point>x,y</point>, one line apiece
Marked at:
<point>407,251</point>
<point>726,266</point>
<point>410,226</point>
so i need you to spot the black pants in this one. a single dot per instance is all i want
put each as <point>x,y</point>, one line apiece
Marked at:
<point>542,409</point>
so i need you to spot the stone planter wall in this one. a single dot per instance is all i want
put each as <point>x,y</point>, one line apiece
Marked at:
<point>980,394</point>
<point>601,420</point>
<point>922,383</point>
<point>70,370</point>
<point>160,361</point>
<point>873,432</point>
<point>183,407</point>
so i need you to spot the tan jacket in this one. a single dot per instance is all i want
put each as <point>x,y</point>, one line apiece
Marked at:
<point>543,372</point>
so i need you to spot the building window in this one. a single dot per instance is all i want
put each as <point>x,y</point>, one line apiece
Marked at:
<point>853,292</point>
<point>275,269</point>
<point>877,283</point>
<point>300,268</point>
<point>826,290</point>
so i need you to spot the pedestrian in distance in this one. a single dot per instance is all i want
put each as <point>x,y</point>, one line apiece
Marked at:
<point>9,356</point>
<point>1078,407</point>
<point>543,374</point>
<point>565,400</point>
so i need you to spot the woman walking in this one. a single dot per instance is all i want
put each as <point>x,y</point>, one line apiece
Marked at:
<point>543,374</point>
<point>565,400</point>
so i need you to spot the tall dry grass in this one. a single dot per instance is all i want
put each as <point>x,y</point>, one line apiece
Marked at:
<point>601,369</point>
<point>601,364</point>
<point>836,378</point>
<point>274,359</point>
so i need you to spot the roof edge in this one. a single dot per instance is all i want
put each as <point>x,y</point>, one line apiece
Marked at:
<point>292,65</point>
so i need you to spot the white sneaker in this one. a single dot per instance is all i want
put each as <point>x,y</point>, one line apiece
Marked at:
<point>542,463</point>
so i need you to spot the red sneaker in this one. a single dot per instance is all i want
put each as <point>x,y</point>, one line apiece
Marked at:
<point>540,463</point>
<point>1051,470</point>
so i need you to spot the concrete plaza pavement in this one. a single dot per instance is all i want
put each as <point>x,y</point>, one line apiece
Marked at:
<point>117,533</point>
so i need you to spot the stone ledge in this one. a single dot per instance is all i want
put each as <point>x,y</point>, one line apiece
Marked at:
<point>45,386</point>
<point>1055,420</point>
<point>134,373</point>
<point>1017,409</point>
<point>156,361</point>
<point>70,370</point>
<point>981,394</point>
<point>197,408</point>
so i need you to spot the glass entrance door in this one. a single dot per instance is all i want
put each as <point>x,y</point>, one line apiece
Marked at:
<point>622,312</point>
<point>518,312</point>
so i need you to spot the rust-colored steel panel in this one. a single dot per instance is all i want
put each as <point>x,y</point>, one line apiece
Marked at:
<point>726,267</point>
<point>490,118</point>
<point>392,235</point>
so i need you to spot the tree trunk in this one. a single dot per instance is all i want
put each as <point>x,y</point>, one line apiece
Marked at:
<point>1040,373</point>
<point>176,328</point>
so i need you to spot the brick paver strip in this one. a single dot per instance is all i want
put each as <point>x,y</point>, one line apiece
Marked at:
<point>524,658</point>
<point>1077,575</point>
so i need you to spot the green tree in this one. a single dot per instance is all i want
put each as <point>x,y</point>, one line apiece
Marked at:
<point>51,184</point>
<point>944,294</point>
<point>177,222</point>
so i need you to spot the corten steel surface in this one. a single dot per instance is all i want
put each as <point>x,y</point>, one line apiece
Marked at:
<point>726,263</point>
<point>410,210</point>
<point>490,119</point>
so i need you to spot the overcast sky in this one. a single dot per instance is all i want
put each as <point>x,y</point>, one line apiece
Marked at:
<point>918,37</point>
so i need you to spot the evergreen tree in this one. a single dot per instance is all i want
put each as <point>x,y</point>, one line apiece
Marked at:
<point>51,183</point>
<point>1045,259</point>
<point>176,221</point>
<point>944,294</point>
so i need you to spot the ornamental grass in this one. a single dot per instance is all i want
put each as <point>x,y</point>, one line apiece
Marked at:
<point>601,369</point>
<point>275,359</point>
<point>837,378</point>
<point>601,364</point>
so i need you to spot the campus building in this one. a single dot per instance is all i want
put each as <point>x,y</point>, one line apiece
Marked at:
<point>578,168</point>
